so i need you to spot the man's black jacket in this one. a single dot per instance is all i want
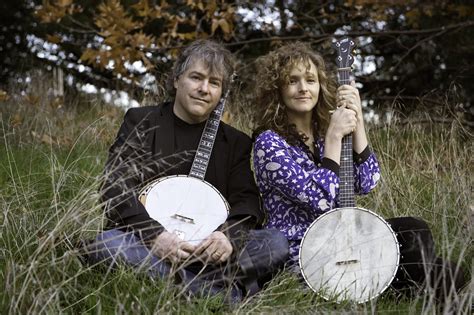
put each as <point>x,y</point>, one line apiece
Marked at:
<point>143,151</point>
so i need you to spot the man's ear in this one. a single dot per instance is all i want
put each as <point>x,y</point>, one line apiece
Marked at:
<point>175,83</point>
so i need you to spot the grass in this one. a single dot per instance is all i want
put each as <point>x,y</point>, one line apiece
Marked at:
<point>50,169</point>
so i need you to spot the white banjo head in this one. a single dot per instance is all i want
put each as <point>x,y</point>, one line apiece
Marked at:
<point>349,254</point>
<point>186,206</point>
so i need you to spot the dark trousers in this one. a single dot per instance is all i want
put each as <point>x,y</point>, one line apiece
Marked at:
<point>263,253</point>
<point>419,265</point>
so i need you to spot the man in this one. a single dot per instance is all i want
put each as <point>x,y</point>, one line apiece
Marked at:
<point>160,141</point>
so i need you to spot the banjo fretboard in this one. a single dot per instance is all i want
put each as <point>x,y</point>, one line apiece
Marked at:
<point>204,150</point>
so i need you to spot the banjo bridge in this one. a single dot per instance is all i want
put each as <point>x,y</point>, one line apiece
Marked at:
<point>183,218</point>
<point>347,262</point>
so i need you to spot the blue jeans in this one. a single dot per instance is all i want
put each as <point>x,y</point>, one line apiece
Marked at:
<point>264,252</point>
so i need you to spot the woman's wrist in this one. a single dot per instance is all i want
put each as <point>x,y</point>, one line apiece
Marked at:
<point>332,146</point>
<point>333,136</point>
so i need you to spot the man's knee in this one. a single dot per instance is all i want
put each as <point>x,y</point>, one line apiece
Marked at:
<point>269,245</point>
<point>108,246</point>
<point>113,238</point>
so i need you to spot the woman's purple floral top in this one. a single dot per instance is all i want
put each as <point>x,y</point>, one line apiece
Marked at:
<point>298,186</point>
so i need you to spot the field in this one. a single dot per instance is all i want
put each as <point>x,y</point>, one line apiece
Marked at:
<point>50,169</point>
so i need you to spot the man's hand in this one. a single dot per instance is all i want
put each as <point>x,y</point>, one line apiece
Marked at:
<point>169,246</point>
<point>215,249</point>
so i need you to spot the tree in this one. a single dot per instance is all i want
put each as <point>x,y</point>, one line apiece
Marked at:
<point>413,48</point>
<point>16,22</point>
<point>124,42</point>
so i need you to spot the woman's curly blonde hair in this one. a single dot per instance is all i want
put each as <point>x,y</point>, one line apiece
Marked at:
<point>273,72</point>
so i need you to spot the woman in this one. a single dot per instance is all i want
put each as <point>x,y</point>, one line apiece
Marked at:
<point>297,150</point>
<point>301,118</point>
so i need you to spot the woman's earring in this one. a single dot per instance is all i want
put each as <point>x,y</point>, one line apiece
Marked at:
<point>276,114</point>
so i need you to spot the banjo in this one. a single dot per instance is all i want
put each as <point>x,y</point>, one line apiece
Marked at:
<point>187,205</point>
<point>348,253</point>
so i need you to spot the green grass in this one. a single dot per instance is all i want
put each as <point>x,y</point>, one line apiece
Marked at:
<point>50,169</point>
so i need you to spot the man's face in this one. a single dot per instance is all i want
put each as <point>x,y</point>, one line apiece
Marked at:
<point>197,92</point>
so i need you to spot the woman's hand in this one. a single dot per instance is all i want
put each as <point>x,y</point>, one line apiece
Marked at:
<point>348,97</point>
<point>343,122</point>
<point>346,119</point>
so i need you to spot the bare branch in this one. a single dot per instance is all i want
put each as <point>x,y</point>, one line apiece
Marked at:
<point>320,37</point>
<point>86,28</point>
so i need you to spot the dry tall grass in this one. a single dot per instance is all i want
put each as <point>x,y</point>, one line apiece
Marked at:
<point>52,159</point>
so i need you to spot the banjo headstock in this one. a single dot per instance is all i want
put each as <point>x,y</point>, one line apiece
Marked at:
<point>344,48</point>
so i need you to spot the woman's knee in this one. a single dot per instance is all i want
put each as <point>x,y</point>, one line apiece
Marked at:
<point>401,224</point>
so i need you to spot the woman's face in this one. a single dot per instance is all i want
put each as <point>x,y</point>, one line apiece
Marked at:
<point>301,93</point>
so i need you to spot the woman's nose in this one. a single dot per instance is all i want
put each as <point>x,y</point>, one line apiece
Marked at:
<point>302,86</point>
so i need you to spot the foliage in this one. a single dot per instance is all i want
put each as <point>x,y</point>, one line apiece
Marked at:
<point>408,50</point>
<point>119,34</point>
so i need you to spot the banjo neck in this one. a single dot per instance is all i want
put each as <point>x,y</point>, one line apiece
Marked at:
<point>346,172</point>
<point>208,137</point>
<point>206,143</point>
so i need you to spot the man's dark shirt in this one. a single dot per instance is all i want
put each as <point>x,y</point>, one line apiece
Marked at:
<point>186,140</point>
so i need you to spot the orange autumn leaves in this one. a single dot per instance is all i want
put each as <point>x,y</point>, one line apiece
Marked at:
<point>124,30</point>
